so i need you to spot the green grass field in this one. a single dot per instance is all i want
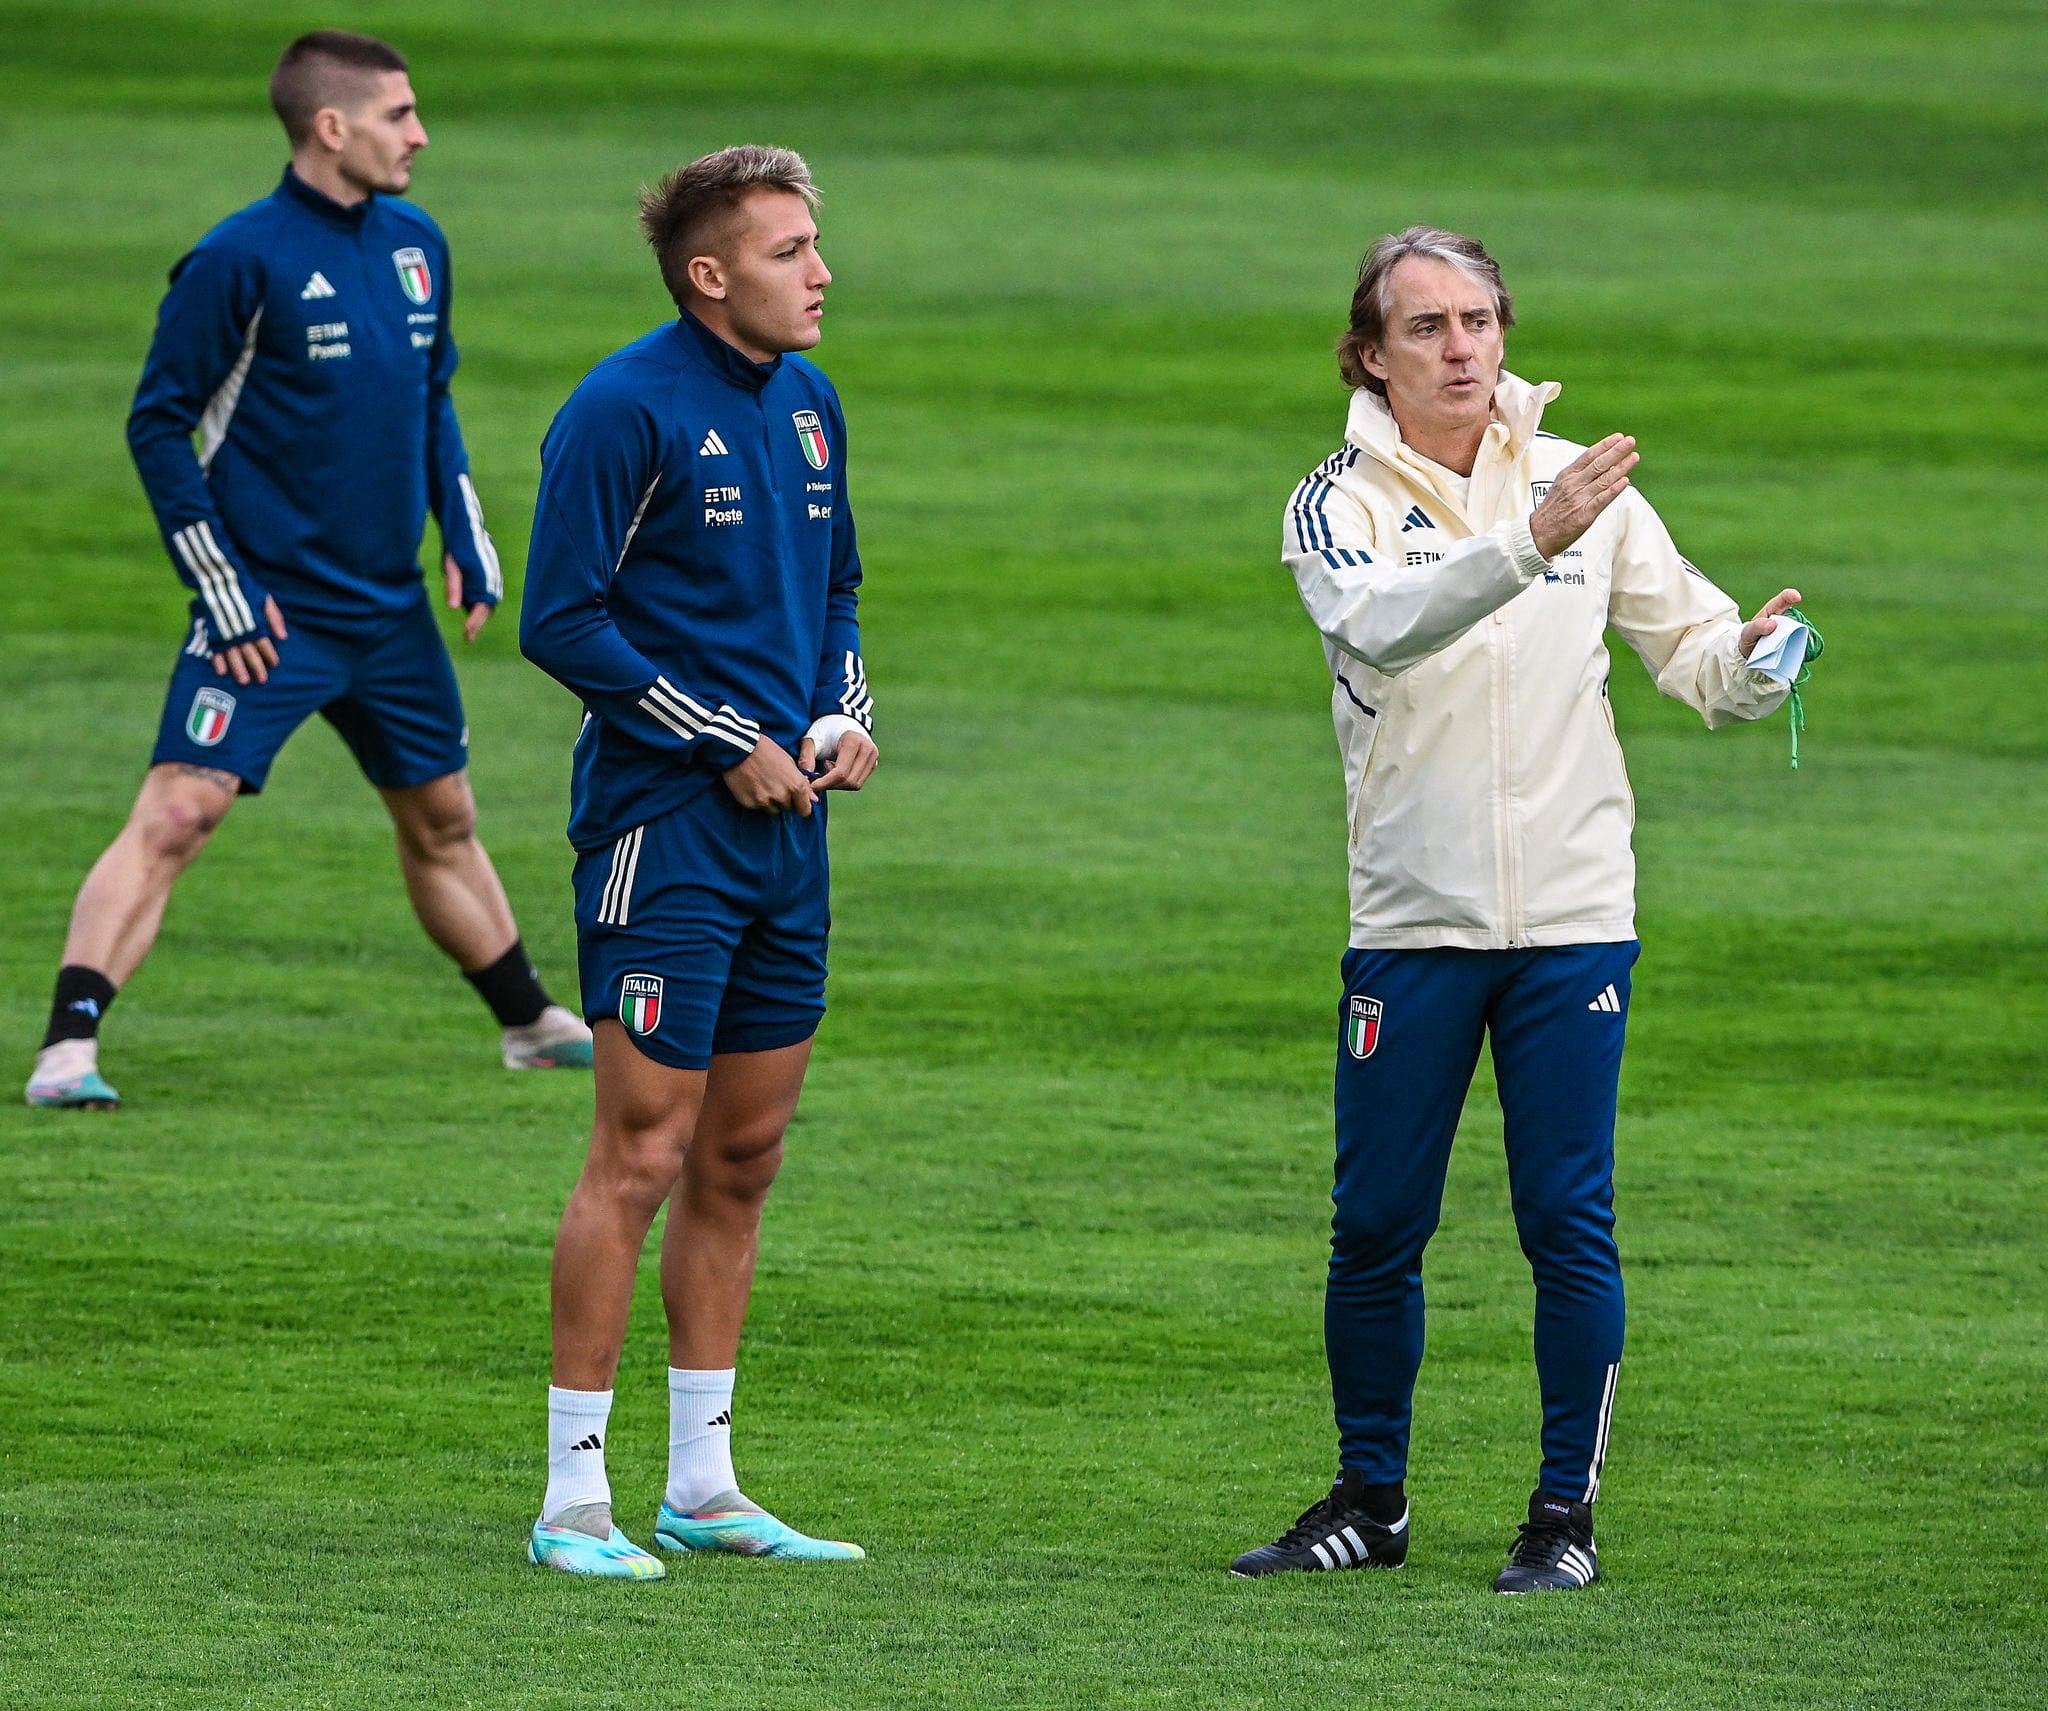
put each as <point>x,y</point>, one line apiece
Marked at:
<point>1039,1312</point>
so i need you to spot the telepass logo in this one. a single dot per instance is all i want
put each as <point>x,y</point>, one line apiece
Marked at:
<point>810,434</point>
<point>1362,1027</point>
<point>640,1002</point>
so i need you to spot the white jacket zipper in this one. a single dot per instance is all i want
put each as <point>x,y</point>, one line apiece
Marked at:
<point>1504,816</point>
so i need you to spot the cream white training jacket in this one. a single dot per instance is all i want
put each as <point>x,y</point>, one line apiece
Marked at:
<point>1489,805</point>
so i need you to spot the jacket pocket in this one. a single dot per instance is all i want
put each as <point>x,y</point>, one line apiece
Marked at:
<point>1360,798</point>
<point>1620,759</point>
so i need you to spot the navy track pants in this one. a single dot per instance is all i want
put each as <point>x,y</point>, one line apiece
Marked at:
<point>1411,1024</point>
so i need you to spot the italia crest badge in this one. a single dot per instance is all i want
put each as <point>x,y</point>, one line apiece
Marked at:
<point>207,723</point>
<point>1538,492</point>
<point>413,274</point>
<point>810,434</point>
<point>640,1003</point>
<point>1362,1027</point>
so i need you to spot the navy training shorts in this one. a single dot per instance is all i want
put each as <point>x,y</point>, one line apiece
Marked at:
<point>704,931</point>
<point>389,689</point>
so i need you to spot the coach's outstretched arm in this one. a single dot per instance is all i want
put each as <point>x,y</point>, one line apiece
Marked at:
<point>600,465</point>
<point>1684,629</point>
<point>205,339</point>
<point>1394,615</point>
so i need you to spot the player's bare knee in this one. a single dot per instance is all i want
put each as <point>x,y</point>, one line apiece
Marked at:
<point>742,1161</point>
<point>639,1164</point>
<point>438,834</point>
<point>436,819</point>
<point>173,825</point>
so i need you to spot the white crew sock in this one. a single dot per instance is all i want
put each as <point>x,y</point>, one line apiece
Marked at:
<point>577,1420</point>
<point>699,1437</point>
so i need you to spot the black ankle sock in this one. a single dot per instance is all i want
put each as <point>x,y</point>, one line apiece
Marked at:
<point>1382,1503</point>
<point>84,995</point>
<point>511,988</point>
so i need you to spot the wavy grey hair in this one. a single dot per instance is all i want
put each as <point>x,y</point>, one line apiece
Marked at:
<point>1370,302</point>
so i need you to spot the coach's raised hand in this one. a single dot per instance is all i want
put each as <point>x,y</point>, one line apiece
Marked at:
<point>255,657</point>
<point>769,782</point>
<point>1581,492</point>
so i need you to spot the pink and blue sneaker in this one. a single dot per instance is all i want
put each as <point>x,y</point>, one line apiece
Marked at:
<point>574,1551</point>
<point>67,1078</point>
<point>732,1524</point>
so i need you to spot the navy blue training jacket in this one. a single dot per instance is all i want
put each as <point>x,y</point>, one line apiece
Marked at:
<point>309,345</point>
<point>692,575</point>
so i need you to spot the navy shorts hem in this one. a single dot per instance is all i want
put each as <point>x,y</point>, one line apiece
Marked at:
<point>653,1046</point>
<point>765,1036</point>
<point>172,753</point>
<point>758,1037</point>
<point>411,778</point>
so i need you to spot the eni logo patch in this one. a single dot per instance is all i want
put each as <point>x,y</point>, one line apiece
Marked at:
<point>640,1003</point>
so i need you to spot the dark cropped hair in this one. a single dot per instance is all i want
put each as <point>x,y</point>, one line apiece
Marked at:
<point>689,212</point>
<point>1369,303</point>
<point>328,68</point>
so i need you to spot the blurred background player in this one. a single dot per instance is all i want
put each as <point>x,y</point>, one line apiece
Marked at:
<point>306,339</point>
<point>693,580</point>
<point>1463,567</point>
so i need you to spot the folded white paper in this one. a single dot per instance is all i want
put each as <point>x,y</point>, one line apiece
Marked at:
<point>1780,654</point>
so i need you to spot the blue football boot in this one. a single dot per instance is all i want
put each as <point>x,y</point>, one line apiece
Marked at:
<point>574,1551</point>
<point>556,1039</point>
<point>730,1523</point>
<point>67,1078</point>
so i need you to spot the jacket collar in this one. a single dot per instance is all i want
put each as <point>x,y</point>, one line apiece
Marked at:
<point>1517,411</point>
<point>295,189</point>
<point>734,364</point>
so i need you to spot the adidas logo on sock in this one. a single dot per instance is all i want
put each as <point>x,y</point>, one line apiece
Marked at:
<point>713,446</point>
<point>317,286</point>
<point>593,1442</point>
<point>724,1419</point>
<point>1606,1001</point>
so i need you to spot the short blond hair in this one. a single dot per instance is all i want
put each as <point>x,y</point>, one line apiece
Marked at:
<point>1370,302</point>
<point>689,213</point>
